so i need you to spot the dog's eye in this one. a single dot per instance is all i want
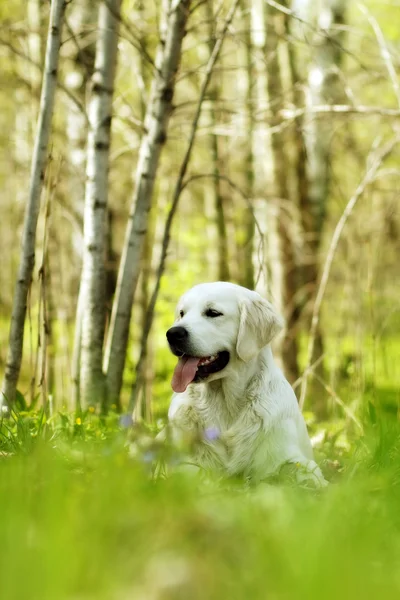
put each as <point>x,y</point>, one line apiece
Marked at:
<point>210,312</point>
<point>181,313</point>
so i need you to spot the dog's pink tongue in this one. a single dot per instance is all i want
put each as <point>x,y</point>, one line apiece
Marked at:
<point>184,373</point>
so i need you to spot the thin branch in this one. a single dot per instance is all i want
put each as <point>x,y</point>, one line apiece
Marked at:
<point>60,85</point>
<point>74,38</point>
<point>311,370</point>
<point>233,185</point>
<point>134,38</point>
<point>374,161</point>
<point>236,188</point>
<point>319,30</point>
<point>387,59</point>
<point>289,113</point>
<point>347,410</point>
<point>197,5</point>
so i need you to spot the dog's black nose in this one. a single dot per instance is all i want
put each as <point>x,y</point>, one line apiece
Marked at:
<point>177,335</point>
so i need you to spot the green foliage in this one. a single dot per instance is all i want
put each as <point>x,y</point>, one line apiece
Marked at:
<point>81,517</point>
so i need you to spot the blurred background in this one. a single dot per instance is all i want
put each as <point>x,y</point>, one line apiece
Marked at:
<point>300,117</point>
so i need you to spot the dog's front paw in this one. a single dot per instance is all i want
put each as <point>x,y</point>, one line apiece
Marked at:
<point>309,474</point>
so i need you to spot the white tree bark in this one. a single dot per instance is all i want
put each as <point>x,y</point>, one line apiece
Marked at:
<point>83,16</point>
<point>322,89</point>
<point>96,197</point>
<point>156,122</point>
<point>39,160</point>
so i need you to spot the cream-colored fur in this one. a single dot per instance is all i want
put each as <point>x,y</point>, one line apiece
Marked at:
<point>245,419</point>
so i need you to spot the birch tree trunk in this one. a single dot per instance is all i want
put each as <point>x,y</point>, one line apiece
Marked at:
<point>156,122</point>
<point>276,30</point>
<point>96,197</point>
<point>322,89</point>
<point>83,17</point>
<point>39,160</point>
<point>248,279</point>
<point>322,85</point>
<point>222,242</point>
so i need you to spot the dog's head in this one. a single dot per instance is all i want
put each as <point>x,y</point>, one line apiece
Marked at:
<point>217,325</point>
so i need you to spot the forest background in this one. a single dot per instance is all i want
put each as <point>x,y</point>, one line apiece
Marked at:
<point>150,146</point>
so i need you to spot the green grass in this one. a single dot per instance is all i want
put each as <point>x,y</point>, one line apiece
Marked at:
<point>81,518</point>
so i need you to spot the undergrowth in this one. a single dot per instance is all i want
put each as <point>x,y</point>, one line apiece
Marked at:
<point>82,516</point>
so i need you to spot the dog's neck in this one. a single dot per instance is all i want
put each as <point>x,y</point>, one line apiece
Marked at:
<point>233,392</point>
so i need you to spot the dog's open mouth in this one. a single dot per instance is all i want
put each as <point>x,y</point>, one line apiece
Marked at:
<point>195,368</point>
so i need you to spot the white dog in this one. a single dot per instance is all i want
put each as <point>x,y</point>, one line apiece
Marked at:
<point>230,397</point>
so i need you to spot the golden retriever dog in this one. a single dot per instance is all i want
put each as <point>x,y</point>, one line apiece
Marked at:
<point>229,395</point>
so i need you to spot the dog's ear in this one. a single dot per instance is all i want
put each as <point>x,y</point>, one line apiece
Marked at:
<point>259,324</point>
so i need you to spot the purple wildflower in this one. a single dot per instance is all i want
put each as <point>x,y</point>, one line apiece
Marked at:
<point>125,421</point>
<point>211,434</point>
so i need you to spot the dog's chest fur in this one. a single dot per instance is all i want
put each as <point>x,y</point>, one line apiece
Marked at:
<point>217,404</point>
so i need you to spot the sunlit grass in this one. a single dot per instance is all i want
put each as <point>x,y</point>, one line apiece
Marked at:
<point>81,518</point>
